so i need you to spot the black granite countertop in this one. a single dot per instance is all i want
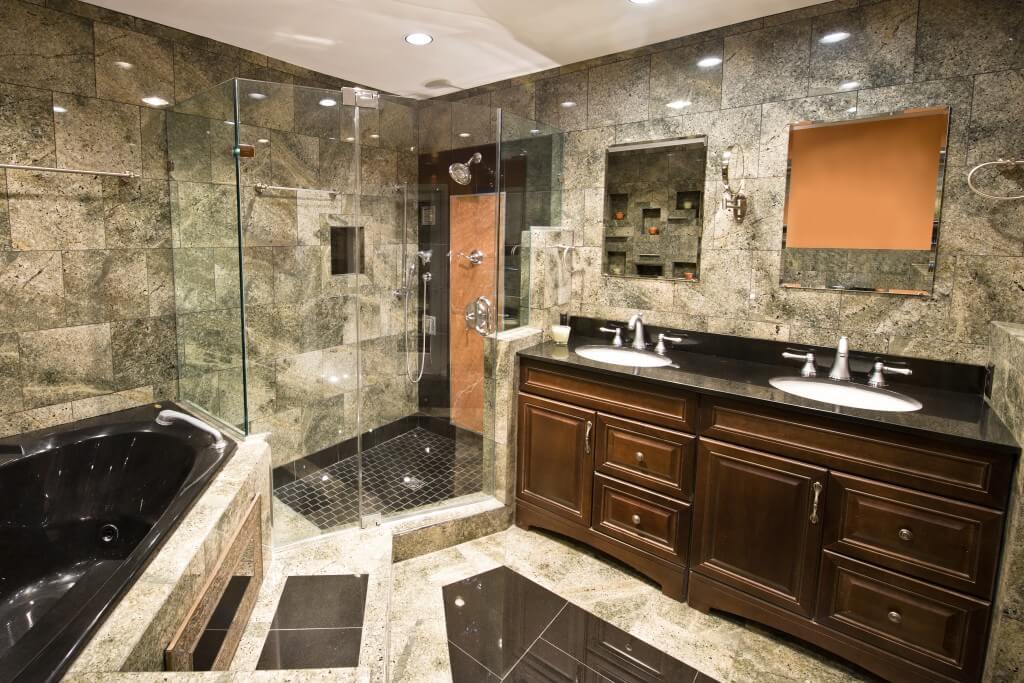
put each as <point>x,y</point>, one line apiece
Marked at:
<point>961,415</point>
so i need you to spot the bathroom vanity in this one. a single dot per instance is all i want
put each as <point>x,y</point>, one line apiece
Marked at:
<point>876,536</point>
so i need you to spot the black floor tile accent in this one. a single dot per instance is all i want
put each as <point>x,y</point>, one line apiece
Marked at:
<point>321,602</point>
<point>502,627</point>
<point>311,648</point>
<point>413,469</point>
<point>317,624</point>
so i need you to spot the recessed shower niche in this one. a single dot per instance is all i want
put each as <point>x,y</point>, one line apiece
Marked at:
<point>654,201</point>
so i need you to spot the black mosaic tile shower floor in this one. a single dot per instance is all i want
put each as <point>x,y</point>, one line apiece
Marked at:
<point>413,469</point>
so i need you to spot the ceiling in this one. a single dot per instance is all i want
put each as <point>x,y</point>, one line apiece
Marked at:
<point>475,41</point>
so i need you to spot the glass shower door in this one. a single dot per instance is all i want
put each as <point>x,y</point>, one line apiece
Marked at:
<point>302,263</point>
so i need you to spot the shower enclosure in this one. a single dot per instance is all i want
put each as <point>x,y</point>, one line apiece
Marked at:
<point>338,262</point>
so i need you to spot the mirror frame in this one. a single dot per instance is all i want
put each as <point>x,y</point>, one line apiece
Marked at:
<point>654,144</point>
<point>940,183</point>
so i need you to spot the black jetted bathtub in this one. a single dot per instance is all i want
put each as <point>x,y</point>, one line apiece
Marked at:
<point>83,508</point>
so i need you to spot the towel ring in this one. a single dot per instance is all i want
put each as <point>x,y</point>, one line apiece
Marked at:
<point>1005,163</point>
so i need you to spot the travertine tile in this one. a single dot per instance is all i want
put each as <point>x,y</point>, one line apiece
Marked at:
<point>143,351</point>
<point>269,220</point>
<point>26,126</point>
<point>551,93</point>
<point>160,281</point>
<point>10,374</point>
<point>96,134</point>
<point>43,48</point>
<point>295,160</point>
<point>879,51</point>
<point>31,290</point>
<point>196,70</point>
<point>619,92</point>
<point>103,285</point>
<point>55,211</point>
<point>766,65</point>
<point>676,79</point>
<point>150,70</point>
<point>65,364</point>
<point>204,214</point>
<point>962,37</point>
<point>995,132</point>
<point>136,213</point>
<point>987,288</point>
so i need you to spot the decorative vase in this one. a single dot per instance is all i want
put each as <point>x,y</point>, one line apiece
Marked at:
<point>687,205</point>
<point>620,215</point>
<point>652,230</point>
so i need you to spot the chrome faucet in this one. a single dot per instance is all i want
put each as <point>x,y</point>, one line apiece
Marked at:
<point>617,331</point>
<point>637,323</point>
<point>169,417</point>
<point>840,371</point>
<point>880,369</point>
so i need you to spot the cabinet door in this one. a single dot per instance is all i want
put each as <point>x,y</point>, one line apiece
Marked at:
<point>757,523</point>
<point>556,460</point>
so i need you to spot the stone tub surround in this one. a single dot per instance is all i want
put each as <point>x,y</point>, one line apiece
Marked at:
<point>86,267</point>
<point>902,54</point>
<point>133,638</point>
<point>1006,649</point>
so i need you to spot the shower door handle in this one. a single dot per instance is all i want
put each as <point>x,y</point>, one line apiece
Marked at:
<point>478,315</point>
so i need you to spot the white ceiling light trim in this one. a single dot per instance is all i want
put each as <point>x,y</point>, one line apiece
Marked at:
<point>419,39</point>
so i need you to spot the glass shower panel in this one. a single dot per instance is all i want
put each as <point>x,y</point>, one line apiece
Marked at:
<point>531,187</point>
<point>302,263</point>
<point>205,250</point>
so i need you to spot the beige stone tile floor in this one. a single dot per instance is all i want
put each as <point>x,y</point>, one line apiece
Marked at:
<point>404,639</point>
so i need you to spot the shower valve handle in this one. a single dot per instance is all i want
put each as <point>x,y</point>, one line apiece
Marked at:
<point>475,257</point>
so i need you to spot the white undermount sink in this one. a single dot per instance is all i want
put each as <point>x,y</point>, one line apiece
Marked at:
<point>617,355</point>
<point>846,394</point>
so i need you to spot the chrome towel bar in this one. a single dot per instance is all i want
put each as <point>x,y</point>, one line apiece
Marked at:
<point>79,171</point>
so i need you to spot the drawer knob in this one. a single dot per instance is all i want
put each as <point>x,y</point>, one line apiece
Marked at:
<point>636,520</point>
<point>895,617</point>
<point>639,457</point>
<point>906,535</point>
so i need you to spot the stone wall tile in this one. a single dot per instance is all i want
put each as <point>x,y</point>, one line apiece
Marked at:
<point>46,49</point>
<point>55,211</point>
<point>31,290</point>
<point>102,285</point>
<point>65,364</point>
<point>131,65</point>
<point>26,126</point>
<point>766,65</point>
<point>97,135</point>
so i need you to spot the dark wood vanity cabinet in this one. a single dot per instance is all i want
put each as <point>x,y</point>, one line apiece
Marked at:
<point>608,463</point>
<point>879,545</point>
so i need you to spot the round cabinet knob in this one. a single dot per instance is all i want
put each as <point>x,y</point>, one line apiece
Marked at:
<point>895,617</point>
<point>906,535</point>
<point>639,457</point>
<point>636,520</point>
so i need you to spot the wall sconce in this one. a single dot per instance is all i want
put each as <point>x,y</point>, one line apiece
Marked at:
<point>733,198</point>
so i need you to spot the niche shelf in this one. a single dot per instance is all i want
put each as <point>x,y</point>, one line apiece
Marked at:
<point>651,217</point>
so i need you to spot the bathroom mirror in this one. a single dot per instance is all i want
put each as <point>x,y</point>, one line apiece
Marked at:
<point>863,200</point>
<point>654,208</point>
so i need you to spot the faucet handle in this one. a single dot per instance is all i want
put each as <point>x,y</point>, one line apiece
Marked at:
<point>809,369</point>
<point>878,372</point>
<point>618,334</point>
<point>660,349</point>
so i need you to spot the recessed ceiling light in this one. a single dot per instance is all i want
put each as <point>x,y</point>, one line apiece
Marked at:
<point>568,104</point>
<point>678,104</point>
<point>374,136</point>
<point>419,39</point>
<point>155,101</point>
<point>328,102</point>
<point>837,37</point>
<point>124,65</point>
<point>350,139</point>
<point>257,96</point>
<point>263,141</point>
<point>849,85</point>
<point>57,109</point>
<point>707,62</point>
<point>464,135</point>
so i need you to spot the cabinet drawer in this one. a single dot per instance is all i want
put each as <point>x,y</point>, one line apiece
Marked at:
<point>652,457</point>
<point>937,539</point>
<point>645,402</point>
<point>937,628</point>
<point>924,463</point>
<point>642,519</point>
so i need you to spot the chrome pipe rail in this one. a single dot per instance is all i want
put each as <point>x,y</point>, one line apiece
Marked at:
<point>79,171</point>
<point>263,187</point>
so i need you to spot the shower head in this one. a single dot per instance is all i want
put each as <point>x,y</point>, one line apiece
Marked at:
<point>460,173</point>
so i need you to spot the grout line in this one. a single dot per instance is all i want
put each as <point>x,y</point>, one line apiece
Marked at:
<point>541,634</point>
